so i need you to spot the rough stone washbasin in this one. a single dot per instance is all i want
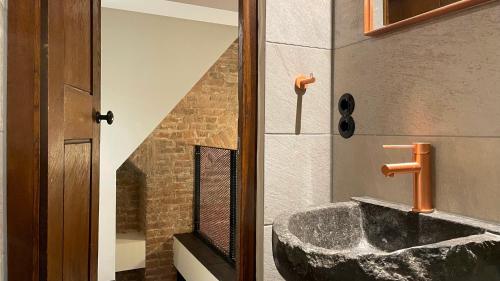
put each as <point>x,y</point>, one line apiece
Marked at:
<point>367,239</point>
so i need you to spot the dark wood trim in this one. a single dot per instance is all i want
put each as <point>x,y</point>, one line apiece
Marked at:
<point>34,139</point>
<point>248,91</point>
<point>457,6</point>
<point>23,139</point>
<point>55,139</point>
<point>96,92</point>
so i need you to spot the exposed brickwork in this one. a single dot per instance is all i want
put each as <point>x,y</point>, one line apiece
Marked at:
<point>130,215</point>
<point>206,115</point>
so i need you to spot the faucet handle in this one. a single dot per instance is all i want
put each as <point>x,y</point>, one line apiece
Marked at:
<point>401,146</point>
<point>418,148</point>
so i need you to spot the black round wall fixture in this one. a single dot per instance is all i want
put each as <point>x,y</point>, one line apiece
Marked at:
<point>347,126</point>
<point>346,104</point>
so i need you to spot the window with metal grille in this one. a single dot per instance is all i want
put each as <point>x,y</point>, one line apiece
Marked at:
<point>215,198</point>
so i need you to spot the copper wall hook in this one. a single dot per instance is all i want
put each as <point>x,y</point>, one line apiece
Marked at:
<point>301,82</point>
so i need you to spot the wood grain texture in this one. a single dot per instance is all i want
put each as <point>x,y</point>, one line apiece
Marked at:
<point>36,155</point>
<point>55,141</point>
<point>96,138</point>
<point>78,42</point>
<point>78,121</point>
<point>23,140</point>
<point>77,192</point>
<point>248,91</point>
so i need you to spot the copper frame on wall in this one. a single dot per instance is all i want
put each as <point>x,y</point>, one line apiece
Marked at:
<point>457,6</point>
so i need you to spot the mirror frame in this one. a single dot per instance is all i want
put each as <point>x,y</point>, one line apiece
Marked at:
<point>457,6</point>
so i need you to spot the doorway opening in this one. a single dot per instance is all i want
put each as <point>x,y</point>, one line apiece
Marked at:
<point>172,84</point>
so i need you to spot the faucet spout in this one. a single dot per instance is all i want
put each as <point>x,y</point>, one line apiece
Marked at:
<point>389,170</point>
<point>421,170</point>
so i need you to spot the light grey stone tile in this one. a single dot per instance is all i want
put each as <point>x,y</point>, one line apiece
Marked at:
<point>349,22</point>
<point>270,271</point>
<point>465,172</point>
<point>297,173</point>
<point>300,22</point>
<point>436,79</point>
<point>287,111</point>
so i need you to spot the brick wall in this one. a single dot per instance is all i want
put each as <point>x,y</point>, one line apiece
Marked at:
<point>207,115</point>
<point>130,215</point>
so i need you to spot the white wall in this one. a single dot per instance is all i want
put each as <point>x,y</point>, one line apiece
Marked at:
<point>3,99</point>
<point>202,10</point>
<point>297,166</point>
<point>148,64</point>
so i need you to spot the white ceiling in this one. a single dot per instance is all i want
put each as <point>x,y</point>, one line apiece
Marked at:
<point>230,5</point>
<point>212,11</point>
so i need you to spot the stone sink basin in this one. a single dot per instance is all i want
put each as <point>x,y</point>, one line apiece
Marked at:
<point>367,239</point>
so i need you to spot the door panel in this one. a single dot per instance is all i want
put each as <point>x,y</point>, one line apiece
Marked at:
<point>78,117</point>
<point>78,42</point>
<point>77,184</point>
<point>53,144</point>
<point>73,139</point>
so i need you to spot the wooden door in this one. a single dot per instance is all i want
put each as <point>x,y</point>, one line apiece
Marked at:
<point>53,95</point>
<point>73,139</point>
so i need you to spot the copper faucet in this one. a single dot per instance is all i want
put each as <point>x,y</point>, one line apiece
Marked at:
<point>421,170</point>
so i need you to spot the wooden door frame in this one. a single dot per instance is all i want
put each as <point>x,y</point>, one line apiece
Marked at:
<point>30,144</point>
<point>27,139</point>
<point>248,118</point>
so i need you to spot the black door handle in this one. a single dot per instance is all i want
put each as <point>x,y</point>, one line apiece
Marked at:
<point>109,117</point>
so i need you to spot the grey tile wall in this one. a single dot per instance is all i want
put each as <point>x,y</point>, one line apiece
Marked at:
<point>300,22</point>
<point>287,111</point>
<point>297,136</point>
<point>437,82</point>
<point>297,173</point>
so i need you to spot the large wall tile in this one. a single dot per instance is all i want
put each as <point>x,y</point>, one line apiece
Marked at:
<point>349,22</point>
<point>440,78</point>
<point>270,271</point>
<point>282,103</point>
<point>297,173</point>
<point>466,177</point>
<point>300,22</point>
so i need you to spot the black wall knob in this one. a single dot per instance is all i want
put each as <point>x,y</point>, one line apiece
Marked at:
<point>346,104</point>
<point>347,126</point>
<point>109,117</point>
